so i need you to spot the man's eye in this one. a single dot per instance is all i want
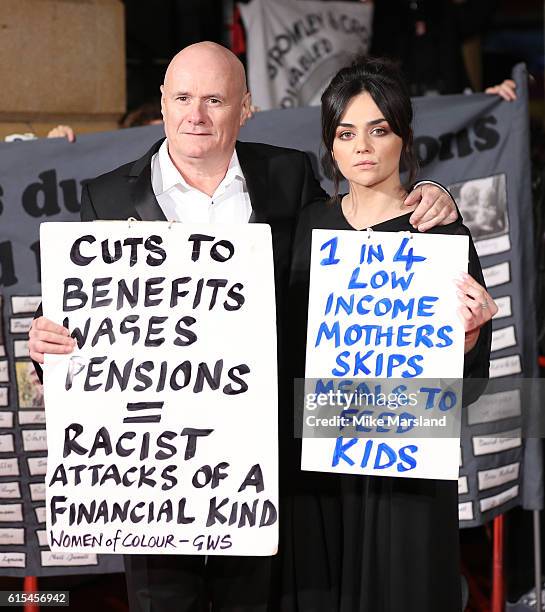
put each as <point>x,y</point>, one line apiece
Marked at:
<point>181,98</point>
<point>214,101</point>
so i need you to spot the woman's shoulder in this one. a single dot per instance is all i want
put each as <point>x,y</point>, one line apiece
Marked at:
<point>457,228</point>
<point>322,213</point>
<point>402,223</point>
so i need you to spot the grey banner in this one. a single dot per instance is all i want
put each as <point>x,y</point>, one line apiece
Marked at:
<point>476,144</point>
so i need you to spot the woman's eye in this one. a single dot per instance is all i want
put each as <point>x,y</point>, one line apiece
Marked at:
<point>379,131</point>
<point>345,135</point>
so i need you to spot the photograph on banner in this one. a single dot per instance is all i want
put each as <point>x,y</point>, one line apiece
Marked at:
<point>383,307</point>
<point>30,392</point>
<point>162,424</point>
<point>483,204</point>
<point>4,371</point>
<point>25,304</point>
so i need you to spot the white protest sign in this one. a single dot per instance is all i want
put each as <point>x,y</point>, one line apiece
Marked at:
<point>383,306</point>
<point>295,48</point>
<point>162,425</point>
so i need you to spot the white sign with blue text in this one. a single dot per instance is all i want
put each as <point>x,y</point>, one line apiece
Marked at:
<point>385,354</point>
<point>162,424</point>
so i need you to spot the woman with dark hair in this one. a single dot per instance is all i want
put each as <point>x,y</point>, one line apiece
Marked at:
<point>370,543</point>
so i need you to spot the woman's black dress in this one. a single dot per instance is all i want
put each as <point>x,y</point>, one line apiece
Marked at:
<point>366,543</point>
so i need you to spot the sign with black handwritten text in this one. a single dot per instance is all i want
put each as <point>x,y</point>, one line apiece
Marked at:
<point>383,306</point>
<point>162,424</point>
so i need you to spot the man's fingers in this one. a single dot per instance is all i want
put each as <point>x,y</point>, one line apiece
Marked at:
<point>39,346</point>
<point>46,336</point>
<point>435,208</point>
<point>43,324</point>
<point>52,337</point>
<point>436,203</point>
<point>432,217</point>
<point>451,217</point>
<point>413,198</point>
<point>421,211</point>
<point>38,357</point>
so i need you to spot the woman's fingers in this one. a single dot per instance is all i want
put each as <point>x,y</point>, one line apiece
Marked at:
<point>476,305</point>
<point>476,297</point>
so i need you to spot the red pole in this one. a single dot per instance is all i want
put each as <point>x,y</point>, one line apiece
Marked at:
<point>30,585</point>
<point>498,587</point>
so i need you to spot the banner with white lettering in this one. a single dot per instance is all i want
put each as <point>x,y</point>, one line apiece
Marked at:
<point>162,425</point>
<point>382,305</point>
<point>294,48</point>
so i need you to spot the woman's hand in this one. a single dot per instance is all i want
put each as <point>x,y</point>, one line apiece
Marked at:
<point>476,308</point>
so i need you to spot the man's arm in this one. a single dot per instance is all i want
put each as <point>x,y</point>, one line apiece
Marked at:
<point>311,188</point>
<point>434,206</point>
<point>46,336</point>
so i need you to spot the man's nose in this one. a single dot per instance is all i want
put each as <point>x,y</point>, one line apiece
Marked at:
<point>197,113</point>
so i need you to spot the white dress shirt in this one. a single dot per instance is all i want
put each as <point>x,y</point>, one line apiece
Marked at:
<point>179,201</point>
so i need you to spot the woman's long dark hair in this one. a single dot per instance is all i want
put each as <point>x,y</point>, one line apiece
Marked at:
<point>382,79</point>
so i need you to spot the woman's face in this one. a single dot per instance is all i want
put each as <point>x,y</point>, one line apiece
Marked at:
<point>365,148</point>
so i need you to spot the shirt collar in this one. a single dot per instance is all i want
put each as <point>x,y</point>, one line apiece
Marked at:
<point>171,177</point>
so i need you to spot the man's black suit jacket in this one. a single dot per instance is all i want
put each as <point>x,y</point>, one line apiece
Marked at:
<point>279,181</point>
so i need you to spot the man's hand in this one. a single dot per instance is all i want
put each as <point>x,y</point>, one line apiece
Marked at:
<point>433,207</point>
<point>506,90</point>
<point>62,131</point>
<point>48,337</point>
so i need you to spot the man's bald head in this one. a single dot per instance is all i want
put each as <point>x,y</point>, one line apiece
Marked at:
<point>204,103</point>
<point>204,56</point>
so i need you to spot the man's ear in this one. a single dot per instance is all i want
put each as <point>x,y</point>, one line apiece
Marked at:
<point>162,89</point>
<point>245,108</point>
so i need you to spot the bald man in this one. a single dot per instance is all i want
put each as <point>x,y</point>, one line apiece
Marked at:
<point>201,174</point>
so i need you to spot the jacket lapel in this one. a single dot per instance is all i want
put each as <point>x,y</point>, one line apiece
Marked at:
<point>144,201</point>
<point>254,168</point>
<point>256,175</point>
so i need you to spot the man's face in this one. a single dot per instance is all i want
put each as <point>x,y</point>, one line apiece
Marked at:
<point>203,108</point>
